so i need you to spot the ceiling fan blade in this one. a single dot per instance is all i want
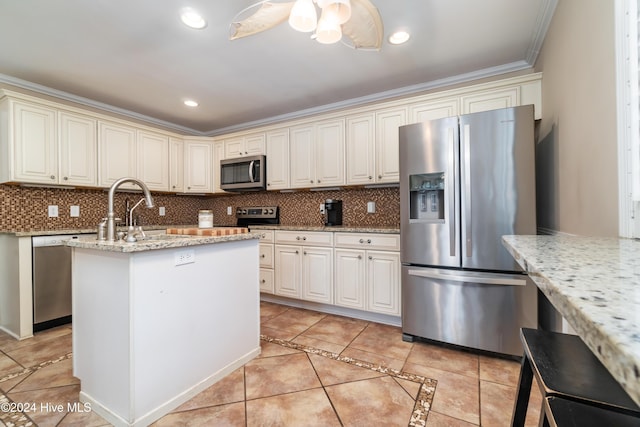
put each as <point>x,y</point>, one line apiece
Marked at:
<point>267,16</point>
<point>364,29</point>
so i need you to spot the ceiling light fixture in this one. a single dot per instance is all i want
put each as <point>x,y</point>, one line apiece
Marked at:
<point>399,37</point>
<point>190,103</point>
<point>334,13</point>
<point>192,18</point>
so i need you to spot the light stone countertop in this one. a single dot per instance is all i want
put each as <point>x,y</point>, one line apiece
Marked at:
<point>161,241</point>
<point>93,230</point>
<point>337,228</point>
<point>595,285</point>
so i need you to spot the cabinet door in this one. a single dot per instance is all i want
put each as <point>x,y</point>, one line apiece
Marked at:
<point>303,170</point>
<point>387,137</point>
<point>491,100</point>
<point>288,271</point>
<point>176,165</point>
<point>350,278</point>
<point>117,154</point>
<point>234,147</point>
<point>218,154</point>
<point>254,144</point>
<point>433,110</point>
<point>197,167</point>
<point>266,280</point>
<point>329,153</point>
<point>266,255</point>
<point>278,159</point>
<point>35,146</point>
<point>153,160</point>
<point>383,282</point>
<point>77,143</point>
<point>317,271</point>
<point>360,150</point>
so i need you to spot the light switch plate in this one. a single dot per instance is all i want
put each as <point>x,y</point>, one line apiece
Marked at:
<point>371,207</point>
<point>229,210</point>
<point>161,211</point>
<point>74,211</point>
<point>53,211</point>
<point>322,208</point>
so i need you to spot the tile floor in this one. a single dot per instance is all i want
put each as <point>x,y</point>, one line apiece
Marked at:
<point>315,369</point>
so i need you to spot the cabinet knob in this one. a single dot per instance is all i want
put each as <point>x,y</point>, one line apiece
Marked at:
<point>66,178</point>
<point>370,177</point>
<point>263,235</point>
<point>370,257</point>
<point>297,252</point>
<point>304,237</point>
<point>359,256</point>
<point>361,240</point>
<point>304,253</point>
<point>311,181</point>
<point>318,181</point>
<point>52,177</point>
<point>368,240</point>
<point>173,186</point>
<point>263,281</point>
<point>297,237</point>
<point>379,176</point>
<point>268,184</point>
<point>188,188</point>
<point>246,152</point>
<point>262,256</point>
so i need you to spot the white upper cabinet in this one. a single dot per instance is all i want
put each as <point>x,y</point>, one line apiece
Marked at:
<point>360,149</point>
<point>153,160</point>
<point>388,122</point>
<point>432,110</point>
<point>77,149</point>
<point>491,100</point>
<point>117,153</point>
<point>245,145</point>
<point>317,154</point>
<point>278,159</point>
<point>176,165</point>
<point>198,166</point>
<point>218,154</point>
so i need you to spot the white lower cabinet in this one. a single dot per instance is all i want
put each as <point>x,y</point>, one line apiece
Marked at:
<point>266,262</point>
<point>304,272</point>
<point>368,280</point>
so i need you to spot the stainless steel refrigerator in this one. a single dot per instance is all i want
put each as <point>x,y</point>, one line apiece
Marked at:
<point>464,182</point>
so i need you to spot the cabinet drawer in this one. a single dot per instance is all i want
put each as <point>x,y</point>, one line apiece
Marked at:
<point>266,255</point>
<point>266,280</point>
<point>379,241</point>
<point>266,236</point>
<point>308,238</point>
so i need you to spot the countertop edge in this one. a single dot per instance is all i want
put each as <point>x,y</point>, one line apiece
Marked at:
<point>336,229</point>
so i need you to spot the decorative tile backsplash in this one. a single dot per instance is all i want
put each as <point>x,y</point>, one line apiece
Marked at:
<point>25,208</point>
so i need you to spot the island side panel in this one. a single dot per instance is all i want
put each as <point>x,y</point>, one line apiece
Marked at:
<point>101,338</point>
<point>192,323</point>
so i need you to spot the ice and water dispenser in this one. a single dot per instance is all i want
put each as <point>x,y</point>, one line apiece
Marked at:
<point>426,201</point>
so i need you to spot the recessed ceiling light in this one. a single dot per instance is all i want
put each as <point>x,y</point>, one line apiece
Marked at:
<point>192,18</point>
<point>399,37</point>
<point>190,103</point>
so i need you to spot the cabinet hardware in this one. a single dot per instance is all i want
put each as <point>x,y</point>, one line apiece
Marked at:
<point>379,176</point>
<point>304,237</point>
<point>297,237</point>
<point>304,253</point>
<point>53,177</point>
<point>318,181</point>
<point>359,256</point>
<point>263,281</point>
<point>361,240</point>
<point>311,181</point>
<point>66,178</point>
<point>297,252</point>
<point>370,177</point>
<point>370,257</point>
<point>262,256</point>
<point>368,240</point>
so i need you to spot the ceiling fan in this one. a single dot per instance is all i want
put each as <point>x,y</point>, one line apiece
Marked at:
<point>357,23</point>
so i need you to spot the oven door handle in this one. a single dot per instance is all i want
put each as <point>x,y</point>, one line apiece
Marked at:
<point>252,177</point>
<point>485,279</point>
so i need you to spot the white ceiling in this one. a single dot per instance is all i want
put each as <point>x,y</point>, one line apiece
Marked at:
<point>137,56</point>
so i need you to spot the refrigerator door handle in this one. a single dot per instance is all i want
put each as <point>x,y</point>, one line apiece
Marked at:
<point>467,188</point>
<point>483,280</point>
<point>451,191</point>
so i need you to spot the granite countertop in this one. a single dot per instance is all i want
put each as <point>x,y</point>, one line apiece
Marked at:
<point>340,228</point>
<point>159,241</point>
<point>93,230</point>
<point>595,285</point>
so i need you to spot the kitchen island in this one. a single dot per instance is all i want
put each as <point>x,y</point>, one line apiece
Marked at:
<point>157,321</point>
<point>595,285</point>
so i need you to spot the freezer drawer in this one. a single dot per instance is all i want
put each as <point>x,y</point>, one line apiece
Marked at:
<point>483,311</point>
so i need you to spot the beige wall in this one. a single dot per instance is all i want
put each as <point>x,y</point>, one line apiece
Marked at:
<point>577,151</point>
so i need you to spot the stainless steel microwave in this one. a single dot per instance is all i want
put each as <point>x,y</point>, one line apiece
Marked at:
<point>243,173</point>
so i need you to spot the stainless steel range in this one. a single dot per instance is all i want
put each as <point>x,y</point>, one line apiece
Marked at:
<point>257,215</point>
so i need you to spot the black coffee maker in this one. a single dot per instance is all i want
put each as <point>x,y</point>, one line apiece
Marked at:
<point>333,210</point>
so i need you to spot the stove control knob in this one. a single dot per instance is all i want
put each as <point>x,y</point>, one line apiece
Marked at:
<point>271,211</point>
<point>265,211</point>
<point>244,211</point>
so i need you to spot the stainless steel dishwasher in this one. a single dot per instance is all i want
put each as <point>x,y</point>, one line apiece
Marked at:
<point>51,280</point>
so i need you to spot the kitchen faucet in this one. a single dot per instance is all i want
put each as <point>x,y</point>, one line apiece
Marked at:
<point>111,216</point>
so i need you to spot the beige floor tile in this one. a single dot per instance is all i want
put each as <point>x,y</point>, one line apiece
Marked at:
<point>353,402</point>
<point>382,339</point>
<point>496,403</point>
<point>9,384</point>
<point>11,343</point>
<point>499,371</point>
<point>443,358</point>
<point>456,395</point>
<point>436,419</point>
<point>410,387</point>
<point>54,375</point>
<point>270,376</point>
<point>319,344</point>
<point>41,350</point>
<point>268,349</point>
<point>336,329</point>
<point>269,310</point>
<point>231,415</point>
<point>378,358</point>
<point>278,333</point>
<point>294,320</point>
<point>50,404</point>
<point>8,366</point>
<point>83,419</point>
<point>305,408</point>
<point>229,389</point>
<point>333,372</point>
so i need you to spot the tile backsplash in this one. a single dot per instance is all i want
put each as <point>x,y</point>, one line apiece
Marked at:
<point>25,208</point>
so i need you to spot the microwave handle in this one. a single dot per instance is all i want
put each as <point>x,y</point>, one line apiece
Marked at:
<point>251,176</point>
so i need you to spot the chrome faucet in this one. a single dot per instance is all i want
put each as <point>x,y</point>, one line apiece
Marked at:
<point>111,216</point>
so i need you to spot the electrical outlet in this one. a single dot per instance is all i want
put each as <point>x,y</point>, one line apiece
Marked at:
<point>229,210</point>
<point>185,257</point>
<point>371,207</point>
<point>53,211</point>
<point>322,208</point>
<point>161,211</point>
<point>74,211</point>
